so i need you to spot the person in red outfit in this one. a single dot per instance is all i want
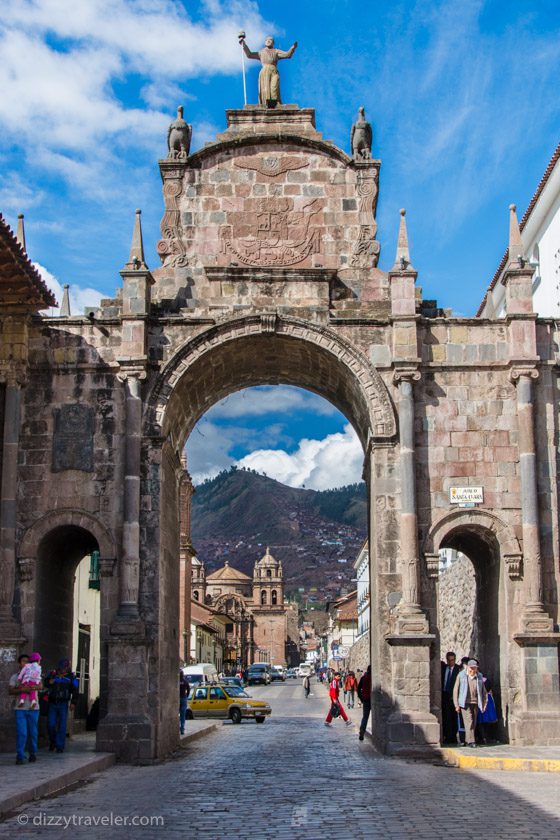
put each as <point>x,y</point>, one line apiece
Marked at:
<point>334,691</point>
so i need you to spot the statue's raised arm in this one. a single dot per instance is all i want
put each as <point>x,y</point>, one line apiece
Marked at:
<point>289,53</point>
<point>249,52</point>
<point>269,78</point>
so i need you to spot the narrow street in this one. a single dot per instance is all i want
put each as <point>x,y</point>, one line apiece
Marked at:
<point>294,778</point>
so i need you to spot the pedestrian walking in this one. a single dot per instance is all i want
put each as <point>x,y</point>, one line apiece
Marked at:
<point>364,693</point>
<point>27,717</point>
<point>306,685</point>
<point>350,686</point>
<point>184,689</point>
<point>449,673</point>
<point>336,708</point>
<point>470,696</point>
<point>62,692</point>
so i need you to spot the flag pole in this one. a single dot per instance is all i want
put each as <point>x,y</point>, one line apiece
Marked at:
<point>241,38</point>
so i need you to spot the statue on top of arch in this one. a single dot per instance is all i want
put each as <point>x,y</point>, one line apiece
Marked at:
<point>269,77</point>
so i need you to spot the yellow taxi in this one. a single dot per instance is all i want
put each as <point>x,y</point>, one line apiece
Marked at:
<point>225,701</point>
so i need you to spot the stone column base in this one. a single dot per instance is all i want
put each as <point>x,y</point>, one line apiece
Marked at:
<point>411,734</point>
<point>129,729</point>
<point>410,727</point>
<point>130,737</point>
<point>535,729</point>
<point>11,645</point>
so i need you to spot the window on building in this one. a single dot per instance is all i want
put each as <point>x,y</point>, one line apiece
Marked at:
<point>263,597</point>
<point>274,596</point>
<point>269,572</point>
<point>94,575</point>
<point>195,594</point>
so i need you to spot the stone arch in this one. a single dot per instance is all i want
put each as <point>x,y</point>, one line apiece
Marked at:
<point>268,349</point>
<point>485,524</point>
<point>221,603</point>
<point>36,532</point>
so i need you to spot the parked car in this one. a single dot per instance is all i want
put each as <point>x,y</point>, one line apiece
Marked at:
<point>291,674</point>
<point>259,673</point>
<point>225,701</point>
<point>232,681</point>
<point>277,673</point>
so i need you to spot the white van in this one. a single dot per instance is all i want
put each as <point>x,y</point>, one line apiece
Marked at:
<point>204,673</point>
<point>305,670</point>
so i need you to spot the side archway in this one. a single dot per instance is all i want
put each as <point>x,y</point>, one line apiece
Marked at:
<point>65,517</point>
<point>471,600</point>
<point>458,524</point>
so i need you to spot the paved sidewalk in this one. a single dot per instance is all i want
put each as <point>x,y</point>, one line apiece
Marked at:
<point>497,757</point>
<point>54,773</point>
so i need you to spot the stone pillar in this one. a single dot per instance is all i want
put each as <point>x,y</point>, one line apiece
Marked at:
<point>411,617</point>
<point>8,507</point>
<point>186,552</point>
<point>130,563</point>
<point>534,615</point>
<point>539,722</point>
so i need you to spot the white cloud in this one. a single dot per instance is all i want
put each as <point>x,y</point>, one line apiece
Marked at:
<point>60,61</point>
<point>17,195</point>
<point>80,297</point>
<point>335,461</point>
<point>266,399</point>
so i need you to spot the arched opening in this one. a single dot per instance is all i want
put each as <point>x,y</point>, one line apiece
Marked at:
<point>274,598</point>
<point>251,351</point>
<point>263,597</point>
<point>470,611</point>
<point>68,608</point>
<point>195,595</point>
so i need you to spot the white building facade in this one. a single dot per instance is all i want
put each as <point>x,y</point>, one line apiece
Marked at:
<point>361,565</point>
<point>540,235</point>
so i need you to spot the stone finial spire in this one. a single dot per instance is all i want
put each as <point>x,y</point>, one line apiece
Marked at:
<point>136,258</point>
<point>65,305</point>
<point>20,234</point>
<point>516,253</point>
<point>402,259</point>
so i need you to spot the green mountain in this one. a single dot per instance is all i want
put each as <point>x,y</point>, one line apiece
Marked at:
<point>317,535</point>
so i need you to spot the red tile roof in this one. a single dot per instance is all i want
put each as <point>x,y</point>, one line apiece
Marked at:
<point>20,282</point>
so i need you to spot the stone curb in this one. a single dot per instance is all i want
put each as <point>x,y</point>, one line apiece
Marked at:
<point>57,784</point>
<point>200,733</point>
<point>486,762</point>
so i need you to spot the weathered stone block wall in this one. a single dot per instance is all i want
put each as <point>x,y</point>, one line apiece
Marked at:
<point>68,369</point>
<point>457,610</point>
<point>360,654</point>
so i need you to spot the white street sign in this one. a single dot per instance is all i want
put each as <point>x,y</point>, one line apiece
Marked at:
<point>466,495</point>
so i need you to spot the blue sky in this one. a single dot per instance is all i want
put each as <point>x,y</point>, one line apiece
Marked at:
<point>463,97</point>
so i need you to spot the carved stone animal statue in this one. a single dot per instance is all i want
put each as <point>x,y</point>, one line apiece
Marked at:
<point>361,137</point>
<point>179,136</point>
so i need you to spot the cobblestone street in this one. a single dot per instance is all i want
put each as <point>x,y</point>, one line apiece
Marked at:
<point>294,778</point>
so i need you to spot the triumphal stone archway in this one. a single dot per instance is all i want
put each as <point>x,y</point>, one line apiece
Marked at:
<point>270,275</point>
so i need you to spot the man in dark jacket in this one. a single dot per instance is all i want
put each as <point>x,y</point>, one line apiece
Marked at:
<point>364,693</point>
<point>449,673</point>
<point>62,691</point>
